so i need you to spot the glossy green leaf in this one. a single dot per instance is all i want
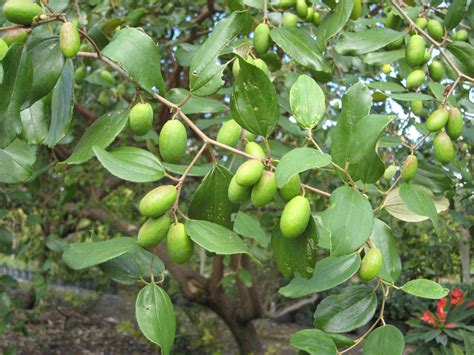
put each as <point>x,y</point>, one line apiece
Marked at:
<point>138,55</point>
<point>101,133</point>
<point>418,201</point>
<point>333,23</point>
<point>313,341</point>
<point>384,240</point>
<point>307,102</point>
<point>387,86</point>
<point>16,162</point>
<point>155,317</point>
<point>385,57</point>
<point>425,288</point>
<point>195,170</point>
<point>386,339</point>
<point>195,104</point>
<point>130,163</point>
<point>247,226</point>
<point>434,178</point>
<point>412,96</point>
<point>297,161</point>
<point>35,120</point>
<point>215,238</point>
<point>456,10</point>
<point>357,43</point>
<point>462,53</point>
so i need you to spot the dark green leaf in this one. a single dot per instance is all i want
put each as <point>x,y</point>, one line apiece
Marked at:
<point>456,10</point>
<point>195,104</point>
<point>357,43</point>
<point>385,57</point>
<point>412,96</point>
<point>425,288</point>
<point>387,86</point>
<point>34,121</point>
<point>384,240</point>
<point>16,162</point>
<point>307,102</point>
<point>384,340</point>
<point>313,341</point>
<point>247,226</point>
<point>333,23</point>
<point>462,54</point>
<point>195,170</point>
<point>418,201</point>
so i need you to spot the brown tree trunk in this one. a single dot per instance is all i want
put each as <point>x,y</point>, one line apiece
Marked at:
<point>464,252</point>
<point>246,336</point>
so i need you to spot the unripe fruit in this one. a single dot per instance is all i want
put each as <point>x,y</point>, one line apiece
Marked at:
<point>421,22</point>
<point>436,70</point>
<point>395,44</point>
<point>134,17</point>
<point>3,49</point>
<point>435,30</point>
<point>260,64</point>
<point>249,173</point>
<point>437,120</point>
<point>443,148</point>
<point>455,124</point>
<point>15,36</point>
<point>393,21</point>
<point>235,67</point>
<point>295,217</point>
<point>180,246</point>
<point>316,18</point>
<point>415,50</point>
<point>417,107</point>
<point>156,202</point>
<point>153,231</point>
<point>80,75</point>
<point>255,150</point>
<point>229,133</point>
<point>264,190</point>
<point>386,68</point>
<point>104,98</point>
<point>261,39</point>
<point>69,40</point>
<point>289,20</point>
<point>309,16</point>
<point>356,10</point>
<point>461,35</point>
<point>173,141</point>
<point>140,118</point>
<point>291,189</point>
<point>415,79</point>
<point>237,193</point>
<point>249,136</point>
<point>426,57</point>
<point>301,8</point>
<point>121,89</point>
<point>371,264</point>
<point>409,168</point>
<point>389,173</point>
<point>286,4</point>
<point>21,12</point>
<point>107,76</point>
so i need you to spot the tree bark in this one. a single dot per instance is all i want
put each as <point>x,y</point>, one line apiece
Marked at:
<point>464,252</point>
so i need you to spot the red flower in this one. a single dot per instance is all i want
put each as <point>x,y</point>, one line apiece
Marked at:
<point>429,319</point>
<point>440,311</point>
<point>457,297</point>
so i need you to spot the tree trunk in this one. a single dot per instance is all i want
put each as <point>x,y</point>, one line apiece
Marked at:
<point>464,252</point>
<point>246,336</point>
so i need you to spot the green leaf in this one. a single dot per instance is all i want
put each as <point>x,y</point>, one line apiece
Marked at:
<point>350,220</point>
<point>101,133</point>
<point>425,288</point>
<point>307,102</point>
<point>84,255</point>
<point>418,201</point>
<point>14,90</point>
<point>16,162</point>
<point>195,170</point>
<point>254,103</point>
<point>205,73</point>
<point>384,340</point>
<point>385,57</point>
<point>136,53</point>
<point>195,104</point>
<point>384,240</point>
<point>210,201</point>
<point>357,43</point>
<point>35,120</point>
<point>215,238</point>
<point>301,47</point>
<point>412,96</point>
<point>130,163</point>
<point>247,226</point>
<point>328,273</point>
<point>62,103</point>
<point>436,179</point>
<point>297,161</point>
<point>155,317</point>
<point>387,86</point>
<point>313,341</point>
<point>333,23</point>
<point>344,312</point>
<point>456,11</point>
<point>438,91</point>
<point>462,53</point>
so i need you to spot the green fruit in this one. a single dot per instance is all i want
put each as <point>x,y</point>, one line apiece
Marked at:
<point>260,64</point>
<point>3,49</point>
<point>80,75</point>
<point>316,18</point>
<point>386,68</point>
<point>255,150</point>
<point>415,51</point>
<point>443,148</point>
<point>421,22</point>
<point>309,16</point>
<point>153,231</point>
<point>371,264</point>
<point>291,189</point>
<point>249,173</point>
<point>121,89</point>
<point>289,20</point>
<point>156,202</point>
<point>409,168</point>
<point>180,246</point>
<point>134,17</point>
<point>461,35</point>
<point>261,39</point>
<point>301,8</point>
<point>286,4</point>
<point>435,30</point>
<point>104,98</point>
<point>173,141</point>
<point>229,133</point>
<point>417,107</point>
<point>356,10</point>
<point>436,70</point>
<point>393,21</point>
<point>237,193</point>
<point>437,120</point>
<point>415,79</point>
<point>249,136</point>
<point>426,57</point>
<point>69,40</point>
<point>15,36</point>
<point>455,124</point>
<point>21,12</point>
<point>235,67</point>
<point>140,118</point>
<point>107,76</point>
<point>264,190</point>
<point>250,60</point>
<point>295,217</point>
<point>396,44</point>
<point>390,172</point>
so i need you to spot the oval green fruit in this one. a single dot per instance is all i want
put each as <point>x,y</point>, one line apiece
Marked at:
<point>17,35</point>
<point>121,89</point>
<point>396,44</point>
<point>415,51</point>
<point>173,141</point>
<point>153,231</point>
<point>249,136</point>
<point>443,148</point>
<point>386,68</point>
<point>261,39</point>
<point>229,133</point>
<point>69,40</point>
<point>371,264</point>
<point>435,30</point>
<point>249,173</point>
<point>291,189</point>
<point>80,75</point>
<point>421,22</point>
<point>104,98</point>
<point>21,12</point>
<point>107,76</point>
<point>286,4</point>
<point>235,67</point>
<point>417,107</point>
<point>393,21</point>
<point>436,70</point>
<point>390,172</point>
<point>3,49</point>
<point>309,16</point>
<point>290,20</point>
<point>156,202</point>
<point>264,190</point>
<point>237,193</point>
<point>140,118</point>
<point>426,57</point>
<point>461,35</point>
<point>437,120</point>
<point>255,150</point>
<point>260,64</point>
<point>415,79</point>
<point>455,124</point>
<point>356,10</point>
<point>295,217</point>
<point>409,168</point>
<point>180,246</point>
<point>301,9</point>
<point>316,18</point>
